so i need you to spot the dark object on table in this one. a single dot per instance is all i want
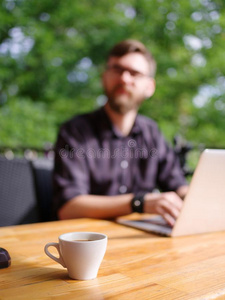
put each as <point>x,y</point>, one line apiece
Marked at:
<point>5,259</point>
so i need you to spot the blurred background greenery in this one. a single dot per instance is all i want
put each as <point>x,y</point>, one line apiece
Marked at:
<point>52,54</point>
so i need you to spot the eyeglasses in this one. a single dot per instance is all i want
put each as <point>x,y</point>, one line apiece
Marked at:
<point>119,70</point>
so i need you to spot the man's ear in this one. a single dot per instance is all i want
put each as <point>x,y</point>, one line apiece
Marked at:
<point>150,88</point>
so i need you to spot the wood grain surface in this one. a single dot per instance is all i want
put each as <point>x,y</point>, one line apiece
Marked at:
<point>137,265</point>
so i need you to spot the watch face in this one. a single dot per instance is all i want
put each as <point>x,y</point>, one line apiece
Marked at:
<point>137,202</point>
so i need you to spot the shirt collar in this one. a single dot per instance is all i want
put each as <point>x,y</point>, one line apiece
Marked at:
<point>108,130</point>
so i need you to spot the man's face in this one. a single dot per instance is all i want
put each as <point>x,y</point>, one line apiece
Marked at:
<point>127,83</point>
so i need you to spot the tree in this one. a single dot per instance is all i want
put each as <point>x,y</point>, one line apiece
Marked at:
<point>52,53</point>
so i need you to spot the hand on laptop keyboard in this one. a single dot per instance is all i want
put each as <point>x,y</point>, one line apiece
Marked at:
<point>168,205</point>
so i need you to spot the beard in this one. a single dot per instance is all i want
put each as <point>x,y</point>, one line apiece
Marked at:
<point>121,100</point>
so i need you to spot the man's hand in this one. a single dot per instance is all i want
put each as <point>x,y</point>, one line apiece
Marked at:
<point>168,205</point>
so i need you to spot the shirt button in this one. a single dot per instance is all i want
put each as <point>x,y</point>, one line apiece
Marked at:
<point>123,189</point>
<point>124,164</point>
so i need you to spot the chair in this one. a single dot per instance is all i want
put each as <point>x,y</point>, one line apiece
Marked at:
<point>42,172</point>
<point>18,202</point>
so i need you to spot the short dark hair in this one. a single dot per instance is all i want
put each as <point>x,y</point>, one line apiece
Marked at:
<point>131,46</point>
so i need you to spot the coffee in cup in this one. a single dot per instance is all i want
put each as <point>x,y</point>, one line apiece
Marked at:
<point>80,252</point>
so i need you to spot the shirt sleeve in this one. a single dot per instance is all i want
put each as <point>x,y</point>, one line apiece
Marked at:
<point>71,174</point>
<point>170,175</point>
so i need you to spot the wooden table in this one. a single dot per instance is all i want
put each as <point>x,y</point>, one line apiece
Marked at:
<point>137,265</point>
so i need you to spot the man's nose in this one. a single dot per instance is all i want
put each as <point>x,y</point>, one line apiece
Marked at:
<point>125,76</point>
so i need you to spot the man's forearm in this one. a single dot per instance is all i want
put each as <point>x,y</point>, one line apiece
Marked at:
<point>108,207</point>
<point>94,206</point>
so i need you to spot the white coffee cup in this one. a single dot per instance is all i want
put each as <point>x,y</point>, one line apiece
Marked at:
<point>80,252</point>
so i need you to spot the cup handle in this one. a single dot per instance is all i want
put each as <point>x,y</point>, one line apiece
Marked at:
<point>57,259</point>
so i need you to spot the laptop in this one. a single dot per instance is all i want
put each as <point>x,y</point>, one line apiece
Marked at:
<point>203,210</point>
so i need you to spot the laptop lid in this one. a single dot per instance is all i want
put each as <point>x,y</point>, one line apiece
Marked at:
<point>204,205</point>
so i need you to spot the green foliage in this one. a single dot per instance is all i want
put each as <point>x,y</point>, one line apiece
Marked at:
<point>32,125</point>
<point>52,53</point>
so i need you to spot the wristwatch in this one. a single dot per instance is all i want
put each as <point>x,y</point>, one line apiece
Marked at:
<point>137,203</point>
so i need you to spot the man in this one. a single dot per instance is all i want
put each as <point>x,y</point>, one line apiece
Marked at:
<point>109,162</point>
